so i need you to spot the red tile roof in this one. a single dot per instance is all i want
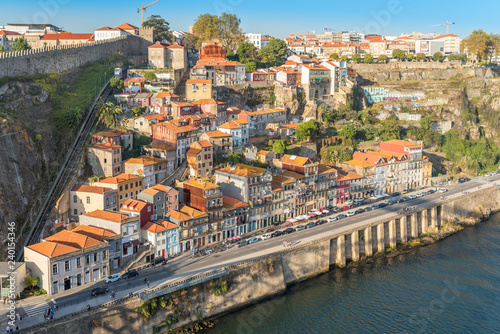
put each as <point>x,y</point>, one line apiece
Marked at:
<point>108,215</point>
<point>66,35</point>
<point>133,205</point>
<point>90,189</point>
<point>153,227</point>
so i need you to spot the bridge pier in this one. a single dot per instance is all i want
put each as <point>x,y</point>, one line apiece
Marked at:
<point>434,218</point>
<point>341,251</point>
<point>355,245</point>
<point>403,228</point>
<point>425,221</point>
<point>380,237</point>
<point>368,241</point>
<point>414,226</point>
<point>392,233</point>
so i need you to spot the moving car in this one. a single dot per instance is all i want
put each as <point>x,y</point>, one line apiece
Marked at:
<point>310,225</point>
<point>112,278</point>
<point>300,228</point>
<point>242,243</point>
<point>98,291</point>
<point>254,240</point>
<point>443,190</point>
<point>157,260</point>
<point>130,273</point>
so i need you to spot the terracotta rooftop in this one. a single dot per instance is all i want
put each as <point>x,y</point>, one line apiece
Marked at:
<point>145,160</point>
<point>121,178</point>
<point>203,183</point>
<point>295,160</point>
<point>94,232</point>
<point>217,134</point>
<point>153,227</point>
<point>243,170</point>
<point>90,189</point>
<point>116,217</point>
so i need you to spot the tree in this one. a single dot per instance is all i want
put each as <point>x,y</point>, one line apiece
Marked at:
<point>426,123</point>
<point>438,56</point>
<point>274,52</point>
<point>206,27</point>
<point>356,58</point>
<point>31,281</point>
<point>250,66</point>
<point>334,55</point>
<point>368,58</point>
<point>421,57</point>
<point>344,58</point>
<point>161,28</point>
<point>225,28</point>
<point>149,76</point>
<point>348,131</point>
<point>2,49</point>
<point>382,59</point>
<point>117,84</point>
<point>478,43</point>
<point>138,111</point>
<point>279,146</point>
<point>247,52</point>
<point>309,130</point>
<point>234,159</point>
<point>390,129</point>
<point>108,114</point>
<point>311,55</point>
<point>410,57</point>
<point>20,44</point>
<point>398,54</point>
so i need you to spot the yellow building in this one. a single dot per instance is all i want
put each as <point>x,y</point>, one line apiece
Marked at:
<point>128,186</point>
<point>426,172</point>
<point>198,89</point>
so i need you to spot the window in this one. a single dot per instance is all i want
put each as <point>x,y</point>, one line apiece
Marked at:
<point>54,269</point>
<point>88,199</point>
<point>104,255</point>
<point>126,187</point>
<point>105,160</point>
<point>87,259</point>
<point>121,197</point>
<point>75,212</point>
<point>75,199</point>
<point>78,279</point>
<point>131,194</point>
<point>78,262</point>
<point>96,257</point>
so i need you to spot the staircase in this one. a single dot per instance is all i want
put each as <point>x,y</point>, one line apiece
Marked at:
<point>136,259</point>
<point>181,87</point>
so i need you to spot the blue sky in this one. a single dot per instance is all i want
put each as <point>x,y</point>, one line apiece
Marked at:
<point>277,18</point>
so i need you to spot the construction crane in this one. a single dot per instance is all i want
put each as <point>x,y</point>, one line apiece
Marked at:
<point>305,32</point>
<point>143,9</point>
<point>329,29</point>
<point>447,24</point>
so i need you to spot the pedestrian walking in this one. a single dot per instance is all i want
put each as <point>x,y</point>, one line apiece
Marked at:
<point>5,300</point>
<point>88,307</point>
<point>20,319</point>
<point>148,284</point>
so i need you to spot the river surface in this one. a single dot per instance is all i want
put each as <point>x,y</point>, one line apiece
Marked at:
<point>452,286</point>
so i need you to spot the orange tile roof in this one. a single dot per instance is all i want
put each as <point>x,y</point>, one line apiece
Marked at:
<point>203,183</point>
<point>121,178</point>
<point>263,152</point>
<point>66,36</point>
<point>77,240</point>
<point>205,101</point>
<point>103,28</point>
<point>168,225</point>
<point>295,160</point>
<point>108,215</point>
<point>240,121</point>
<point>193,151</point>
<point>217,134</point>
<point>153,227</point>
<point>359,163</point>
<point>276,187</point>
<point>127,26</point>
<point>8,33</point>
<point>180,216</point>
<point>402,143</point>
<point>175,46</point>
<point>205,143</point>
<point>230,203</point>
<point>177,129</point>
<point>94,232</point>
<point>145,160</point>
<point>52,249</point>
<point>192,212</point>
<point>158,45</point>
<point>90,189</point>
<point>105,146</point>
<point>243,170</point>
<point>158,117</point>
<point>289,126</point>
<point>231,125</point>
<point>133,205</point>
<point>199,81</point>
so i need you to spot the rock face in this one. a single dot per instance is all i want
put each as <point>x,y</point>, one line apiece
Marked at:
<point>28,150</point>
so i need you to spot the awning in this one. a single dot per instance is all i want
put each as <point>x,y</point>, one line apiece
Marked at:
<point>127,244</point>
<point>136,242</point>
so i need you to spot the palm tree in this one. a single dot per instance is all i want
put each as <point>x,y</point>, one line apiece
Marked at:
<point>108,114</point>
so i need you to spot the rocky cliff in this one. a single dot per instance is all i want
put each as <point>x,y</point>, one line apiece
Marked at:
<point>28,150</point>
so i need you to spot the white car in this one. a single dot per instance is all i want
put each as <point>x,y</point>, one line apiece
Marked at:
<point>350,213</point>
<point>331,219</point>
<point>413,196</point>
<point>266,236</point>
<point>112,278</point>
<point>443,190</point>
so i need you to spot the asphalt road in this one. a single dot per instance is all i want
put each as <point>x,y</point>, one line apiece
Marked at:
<point>184,266</point>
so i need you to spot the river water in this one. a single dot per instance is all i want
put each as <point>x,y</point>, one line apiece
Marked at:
<point>452,286</point>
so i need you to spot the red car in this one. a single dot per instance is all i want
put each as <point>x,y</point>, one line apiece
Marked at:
<point>345,208</point>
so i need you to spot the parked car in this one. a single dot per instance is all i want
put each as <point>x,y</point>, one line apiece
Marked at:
<point>321,222</point>
<point>300,228</point>
<point>112,278</point>
<point>345,208</point>
<point>254,240</point>
<point>310,225</point>
<point>443,190</point>
<point>130,274</point>
<point>350,213</point>
<point>98,291</point>
<point>289,230</point>
<point>157,260</point>
<point>341,216</point>
<point>413,196</point>
<point>392,201</point>
<point>331,219</point>
<point>266,236</point>
<point>242,243</point>
<point>382,205</point>
<point>396,194</point>
<point>358,211</point>
<point>432,191</point>
<point>368,209</point>
<point>276,234</point>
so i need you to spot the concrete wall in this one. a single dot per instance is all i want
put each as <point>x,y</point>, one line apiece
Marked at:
<point>64,58</point>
